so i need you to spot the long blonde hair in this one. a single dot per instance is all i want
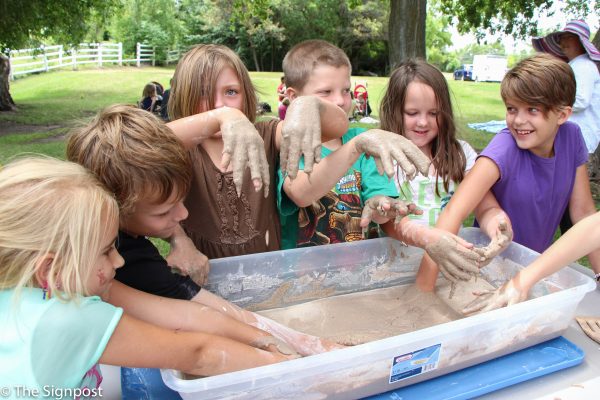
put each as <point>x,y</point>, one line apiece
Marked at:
<point>196,76</point>
<point>48,206</point>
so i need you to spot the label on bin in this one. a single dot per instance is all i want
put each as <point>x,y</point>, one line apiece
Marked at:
<point>415,363</point>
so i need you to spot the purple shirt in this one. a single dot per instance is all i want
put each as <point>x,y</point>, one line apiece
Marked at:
<point>535,191</point>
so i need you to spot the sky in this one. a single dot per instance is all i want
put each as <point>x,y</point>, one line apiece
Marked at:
<point>554,22</point>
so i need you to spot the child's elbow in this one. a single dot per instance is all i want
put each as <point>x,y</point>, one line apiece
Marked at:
<point>302,201</point>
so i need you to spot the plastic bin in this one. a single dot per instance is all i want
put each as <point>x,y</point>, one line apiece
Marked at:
<point>277,279</point>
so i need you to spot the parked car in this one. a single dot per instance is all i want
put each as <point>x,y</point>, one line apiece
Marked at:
<point>464,73</point>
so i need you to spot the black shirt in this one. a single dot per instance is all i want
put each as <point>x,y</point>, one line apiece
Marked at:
<point>146,270</point>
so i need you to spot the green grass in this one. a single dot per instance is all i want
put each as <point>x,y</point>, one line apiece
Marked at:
<point>52,103</point>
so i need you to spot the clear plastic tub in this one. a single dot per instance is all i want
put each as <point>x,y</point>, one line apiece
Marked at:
<point>278,279</point>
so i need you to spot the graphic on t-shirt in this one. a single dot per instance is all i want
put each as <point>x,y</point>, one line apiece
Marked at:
<point>91,381</point>
<point>335,218</point>
<point>421,191</point>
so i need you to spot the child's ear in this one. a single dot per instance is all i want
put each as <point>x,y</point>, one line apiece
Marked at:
<point>42,268</point>
<point>564,114</point>
<point>291,93</point>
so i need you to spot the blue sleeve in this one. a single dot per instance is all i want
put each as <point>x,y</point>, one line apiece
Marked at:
<point>70,339</point>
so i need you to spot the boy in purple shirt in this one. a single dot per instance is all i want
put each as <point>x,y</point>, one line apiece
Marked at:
<point>535,168</point>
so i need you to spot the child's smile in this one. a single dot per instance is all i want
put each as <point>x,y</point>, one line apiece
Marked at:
<point>533,129</point>
<point>420,116</point>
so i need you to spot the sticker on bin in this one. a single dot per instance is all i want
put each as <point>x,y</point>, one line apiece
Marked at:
<point>415,363</point>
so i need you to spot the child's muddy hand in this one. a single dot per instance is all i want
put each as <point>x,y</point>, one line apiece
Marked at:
<point>301,136</point>
<point>273,344</point>
<point>242,147</point>
<point>501,241</point>
<point>187,260</point>
<point>506,295</point>
<point>386,147</point>
<point>328,345</point>
<point>455,257</point>
<point>381,208</point>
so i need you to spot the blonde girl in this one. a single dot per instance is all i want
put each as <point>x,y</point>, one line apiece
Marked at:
<point>57,257</point>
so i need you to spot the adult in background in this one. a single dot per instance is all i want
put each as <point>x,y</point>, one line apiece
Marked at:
<point>573,45</point>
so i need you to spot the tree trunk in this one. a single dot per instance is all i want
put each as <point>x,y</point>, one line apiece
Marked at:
<point>6,101</point>
<point>406,30</point>
<point>255,57</point>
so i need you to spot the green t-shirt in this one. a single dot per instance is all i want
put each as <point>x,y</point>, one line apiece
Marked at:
<point>50,344</point>
<point>335,218</point>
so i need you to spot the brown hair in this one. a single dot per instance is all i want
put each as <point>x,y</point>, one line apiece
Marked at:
<point>134,154</point>
<point>448,157</point>
<point>303,58</point>
<point>542,80</point>
<point>195,77</point>
<point>149,90</point>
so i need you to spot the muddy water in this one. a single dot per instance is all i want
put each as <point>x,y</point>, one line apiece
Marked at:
<point>376,314</point>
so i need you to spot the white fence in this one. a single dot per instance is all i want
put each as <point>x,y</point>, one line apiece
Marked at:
<point>46,58</point>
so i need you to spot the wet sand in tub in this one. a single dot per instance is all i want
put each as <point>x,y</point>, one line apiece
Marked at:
<point>362,317</point>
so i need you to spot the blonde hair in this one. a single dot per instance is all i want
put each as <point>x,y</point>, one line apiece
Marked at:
<point>542,80</point>
<point>134,154</point>
<point>194,81</point>
<point>303,58</point>
<point>448,157</point>
<point>48,206</point>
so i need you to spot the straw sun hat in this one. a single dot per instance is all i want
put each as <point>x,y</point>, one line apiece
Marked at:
<point>550,43</point>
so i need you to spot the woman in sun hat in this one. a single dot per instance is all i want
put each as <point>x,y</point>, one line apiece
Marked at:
<point>573,44</point>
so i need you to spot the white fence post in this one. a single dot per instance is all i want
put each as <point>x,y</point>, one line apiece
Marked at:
<point>11,76</point>
<point>45,58</point>
<point>137,55</point>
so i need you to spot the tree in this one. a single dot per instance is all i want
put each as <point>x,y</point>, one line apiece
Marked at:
<point>256,19</point>
<point>438,38</point>
<point>406,30</point>
<point>512,17</point>
<point>152,22</point>
<point>27,23</point>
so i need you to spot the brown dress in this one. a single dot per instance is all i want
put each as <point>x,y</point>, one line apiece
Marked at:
<point>220,223</point>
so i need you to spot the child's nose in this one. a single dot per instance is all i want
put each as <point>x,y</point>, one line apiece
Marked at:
<point>118,260</point>
<point>519,118</point>
<point>219,101</point>
<point>339,100</point>
<point>181,212</point>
